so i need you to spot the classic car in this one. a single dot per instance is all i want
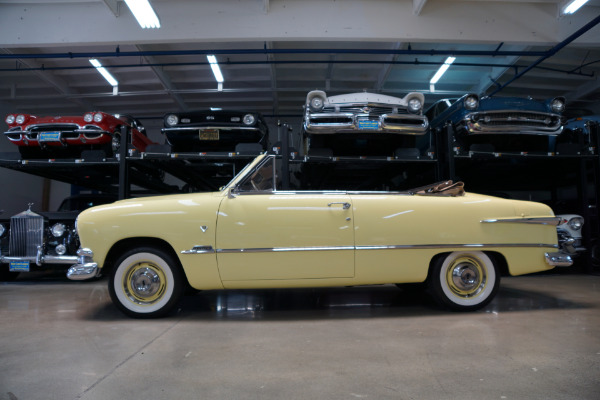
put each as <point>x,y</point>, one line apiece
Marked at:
<point>68,136</point>
<point>569,233</point>
<point>361,124</point>
<point>580,132</point>
<point>215,131</point>
<point>259,231</point>
<point>35,241</point>
<point>499,124</point>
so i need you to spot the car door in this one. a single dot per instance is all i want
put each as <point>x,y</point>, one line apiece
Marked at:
<point>263,234</point>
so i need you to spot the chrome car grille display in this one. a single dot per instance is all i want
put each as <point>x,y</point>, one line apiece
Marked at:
<point>513,121</point>
<point>26,234</point>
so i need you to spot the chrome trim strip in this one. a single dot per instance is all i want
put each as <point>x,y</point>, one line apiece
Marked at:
<point>199,250</point>
<point>449,246</point>
<point>221,128</point>
<point>284,249</point>
<point>534,220</point>
<point>384,247</point>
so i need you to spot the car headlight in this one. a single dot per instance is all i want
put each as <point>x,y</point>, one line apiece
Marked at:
<point>558,105</point>
<point>414,105</point>
<point>58,230</point>
<point>88,117</point>
<point>2,230</point>
<point>249,119</point>
<point>576,223</point>
<point>20,119</point>
<point>98,117</point>
<point>471,102</point>
<point>172,120</point>
<point>317,103</point>
<point>10,119</point>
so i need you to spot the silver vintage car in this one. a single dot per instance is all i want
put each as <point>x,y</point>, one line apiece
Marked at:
<point>362,124</point>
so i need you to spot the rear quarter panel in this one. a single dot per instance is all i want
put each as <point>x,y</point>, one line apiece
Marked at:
<point>424,226</point>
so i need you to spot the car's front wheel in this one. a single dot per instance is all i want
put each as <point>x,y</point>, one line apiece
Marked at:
<point>464,280</point>
<point>146,283</point>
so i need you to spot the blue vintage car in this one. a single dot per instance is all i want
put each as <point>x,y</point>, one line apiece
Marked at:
<point>580,132</point>
<point>499,124</point>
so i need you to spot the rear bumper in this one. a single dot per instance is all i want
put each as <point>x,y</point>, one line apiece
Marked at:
<point>559,259</point>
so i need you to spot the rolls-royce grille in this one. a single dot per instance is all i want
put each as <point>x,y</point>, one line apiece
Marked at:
<point>26,234</point>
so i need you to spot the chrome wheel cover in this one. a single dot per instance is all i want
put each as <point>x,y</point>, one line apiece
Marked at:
<point>144,283</point>
<point>466,277</point>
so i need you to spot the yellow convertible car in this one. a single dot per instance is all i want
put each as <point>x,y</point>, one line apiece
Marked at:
<point>256,233</point>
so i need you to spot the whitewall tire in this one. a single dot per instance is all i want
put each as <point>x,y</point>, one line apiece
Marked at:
<point>464,280</point>
<point>146,283</point>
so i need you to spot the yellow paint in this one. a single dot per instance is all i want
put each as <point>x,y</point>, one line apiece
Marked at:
<point>321,233</point>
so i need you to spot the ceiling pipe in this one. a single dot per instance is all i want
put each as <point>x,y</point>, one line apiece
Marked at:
<point>118,53</point>
<point>576,71</point>
<point>551,52</point>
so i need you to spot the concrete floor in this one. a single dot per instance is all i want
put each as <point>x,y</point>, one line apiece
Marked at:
<point>539,339</point>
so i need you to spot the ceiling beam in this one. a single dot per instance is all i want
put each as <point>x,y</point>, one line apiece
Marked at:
<point>165,81</point>
<point>418,6</point>
<point>56,82</point>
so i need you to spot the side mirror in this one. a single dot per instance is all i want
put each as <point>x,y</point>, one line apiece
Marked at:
<point>231,193</point>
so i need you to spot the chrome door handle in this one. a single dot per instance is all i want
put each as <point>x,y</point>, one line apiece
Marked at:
<point>345,205</point>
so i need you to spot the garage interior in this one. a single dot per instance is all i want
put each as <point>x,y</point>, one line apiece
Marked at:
<point>65,340</point>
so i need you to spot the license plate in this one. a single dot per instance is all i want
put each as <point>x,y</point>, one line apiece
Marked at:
<point>18,266</point>
<point>49,137</point>
<point>209,134</point>
<point>368,124</point>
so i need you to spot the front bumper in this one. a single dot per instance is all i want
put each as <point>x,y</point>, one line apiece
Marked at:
<point>86,268</point>
<point>324,123</point>
<point>40,259</point>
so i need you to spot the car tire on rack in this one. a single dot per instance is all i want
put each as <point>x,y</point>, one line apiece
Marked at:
<point>146,282</point>
<point>464,280</point>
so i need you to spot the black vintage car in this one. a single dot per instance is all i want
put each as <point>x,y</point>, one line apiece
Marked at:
<point>31,241</point>
<point>216,131</point>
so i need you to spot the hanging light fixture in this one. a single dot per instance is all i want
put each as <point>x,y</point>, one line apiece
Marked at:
<point>144,13</point>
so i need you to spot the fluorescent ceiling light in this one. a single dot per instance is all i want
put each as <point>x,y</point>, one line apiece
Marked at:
<point>572,6</point>
<point>144,13</point>
<point>215,109</point>
<point>111,79</point>
<point>442,70</point>
<point>215,68</point>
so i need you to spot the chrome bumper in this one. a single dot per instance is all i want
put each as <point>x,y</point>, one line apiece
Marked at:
<point>86,268</point>
<point>559,259</point>
<point>40,259</point>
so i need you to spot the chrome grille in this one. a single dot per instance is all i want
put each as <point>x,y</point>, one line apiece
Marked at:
<point>53,128</point>
<point>517,118</point>
<point>361,110</point>
<point>26,234</point>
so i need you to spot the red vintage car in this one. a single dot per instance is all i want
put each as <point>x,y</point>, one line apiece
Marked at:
<point>60,137</point>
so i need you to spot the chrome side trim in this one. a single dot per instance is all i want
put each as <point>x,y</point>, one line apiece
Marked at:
<point>284,249</point>
<point>199,250</point>
<point>386,247</point>
<point>534,220</point>
<point>450,246</point>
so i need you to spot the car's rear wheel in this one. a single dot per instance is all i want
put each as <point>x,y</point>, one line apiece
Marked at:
<point>464,280</point>
<point>146,283</point>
